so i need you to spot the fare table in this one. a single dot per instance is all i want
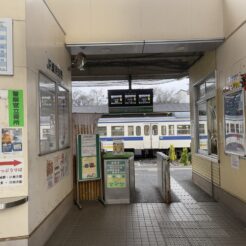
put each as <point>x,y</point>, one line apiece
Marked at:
<point>119,178</point>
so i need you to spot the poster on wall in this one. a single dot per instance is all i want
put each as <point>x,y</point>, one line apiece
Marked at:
<point>11,171</point>
<point>6,47</point>
<point>116,173</point>
<point>11,138</point>
<point>88,157</point>
<point>56,169</point>
<point>234,122</point>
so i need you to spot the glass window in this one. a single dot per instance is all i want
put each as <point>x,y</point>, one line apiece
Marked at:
<point>212,126</point>
<point>163,130</point>
<point>102,130</point>
<point>130,131</point>
<point>155,130</point>
<point>183,129</point>
<point>202,137</point>
<point>146,130</point>
<point>206,117</point>
<point>117,130</point>
<point>48,120</point>
<point>202,128</point>
<point>138,130</point>
<point>63,117</point>
<point>171,129</point>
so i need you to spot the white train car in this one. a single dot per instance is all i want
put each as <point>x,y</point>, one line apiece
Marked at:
<point>145,134</point>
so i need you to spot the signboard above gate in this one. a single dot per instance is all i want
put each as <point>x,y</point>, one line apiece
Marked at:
<point>130,101</point>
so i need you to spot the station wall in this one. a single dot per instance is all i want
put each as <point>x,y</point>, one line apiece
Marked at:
<point>14,221</point>
<point>229,59</point>
<point>137,20</point>
<point>45,40</point>
<point>36,38</point>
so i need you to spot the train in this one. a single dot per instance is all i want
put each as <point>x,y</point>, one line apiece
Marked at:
<point>146,135</point>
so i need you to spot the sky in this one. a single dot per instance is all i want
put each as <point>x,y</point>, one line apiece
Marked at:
<point>169,85</point>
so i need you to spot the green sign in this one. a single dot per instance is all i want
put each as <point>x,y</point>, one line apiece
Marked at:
<point>88,157</point>
<point>16,109</point>
<point>116,173</point>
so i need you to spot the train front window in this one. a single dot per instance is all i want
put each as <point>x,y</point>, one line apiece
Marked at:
<point>146,130</point>
<point>102,130</point>
<point>163,130</point>
<point>171,130</point>
<point>117,130</point>
<point>130,131</point>
<point>183,129</point>
<point>155,130</point>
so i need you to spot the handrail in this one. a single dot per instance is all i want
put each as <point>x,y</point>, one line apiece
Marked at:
<point>12,202</point>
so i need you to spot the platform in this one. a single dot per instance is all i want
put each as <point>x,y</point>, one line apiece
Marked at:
<point>187,222</point>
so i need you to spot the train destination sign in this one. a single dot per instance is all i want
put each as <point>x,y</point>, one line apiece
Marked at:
<point>130,101</point>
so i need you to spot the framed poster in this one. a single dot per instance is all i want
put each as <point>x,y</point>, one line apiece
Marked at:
<point>88,157</point>
<point>6,47</point>
<point>234,122</point>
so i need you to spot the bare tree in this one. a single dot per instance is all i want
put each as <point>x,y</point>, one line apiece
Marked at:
<point>95,97</point>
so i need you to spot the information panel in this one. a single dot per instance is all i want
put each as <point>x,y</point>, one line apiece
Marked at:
<point>11,138</point>
<point>127,101</point>
<point>6,47</point>
<point>116,173</point>
<point>88,157</point>
<point>235,123</point>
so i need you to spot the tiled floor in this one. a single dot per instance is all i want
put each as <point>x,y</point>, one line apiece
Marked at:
<point>183,223</point>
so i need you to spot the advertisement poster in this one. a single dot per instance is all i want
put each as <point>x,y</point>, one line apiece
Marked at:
<point>89,169</point>
<point>234,123</point>
<point>116,173</point>
<point>50,173</point>
<point>11,171</point>
<point>87,157</point>
<point>56,169</point>
<point>11,140</point>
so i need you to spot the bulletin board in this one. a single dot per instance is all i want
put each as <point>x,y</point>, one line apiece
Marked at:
<point>234,122</point>
<point>88,157</point>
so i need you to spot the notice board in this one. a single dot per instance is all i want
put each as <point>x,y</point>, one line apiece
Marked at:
<point>88,157</point>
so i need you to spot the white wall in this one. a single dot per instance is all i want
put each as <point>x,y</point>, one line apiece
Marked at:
<point>14,221</point>
<point>44,40</point>
<point>234,14</point>
<point>135,20</point>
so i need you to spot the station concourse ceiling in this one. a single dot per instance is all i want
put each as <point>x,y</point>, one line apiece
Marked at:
<point>146,59</point>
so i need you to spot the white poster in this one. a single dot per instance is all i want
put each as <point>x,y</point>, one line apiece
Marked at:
<point>88,144</point>
<point>11,171</point>
<point>6,47</point>
<point>235,161</point>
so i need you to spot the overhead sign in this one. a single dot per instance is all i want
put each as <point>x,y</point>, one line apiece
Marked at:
<point>6,47</point>
<point>130,101</point>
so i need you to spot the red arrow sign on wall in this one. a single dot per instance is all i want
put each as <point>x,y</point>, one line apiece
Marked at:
<point>10,163</point>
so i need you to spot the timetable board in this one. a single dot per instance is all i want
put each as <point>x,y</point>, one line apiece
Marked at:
<point>130,101</point>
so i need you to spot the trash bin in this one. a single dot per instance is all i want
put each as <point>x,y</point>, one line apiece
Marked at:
<point>119,178</point>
